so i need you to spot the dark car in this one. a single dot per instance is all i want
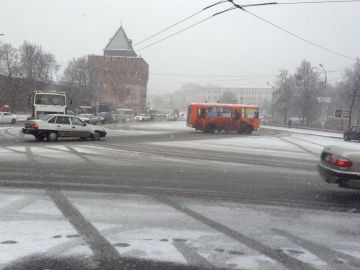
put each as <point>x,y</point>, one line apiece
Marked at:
<point>105,117</point>
<point>352,134</point>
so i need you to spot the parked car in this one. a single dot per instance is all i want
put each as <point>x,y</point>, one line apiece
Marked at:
<point>70,113</point>
<point>352,134</point>
<point>88,118</point>
<point>105,117</point>
<point>53,126</point>
<point>341,165</point>
<point>172,118</point>
<point>142,117</point>
<point>7,118</point>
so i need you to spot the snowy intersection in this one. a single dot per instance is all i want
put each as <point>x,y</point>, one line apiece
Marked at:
<point>186,198</point>
<point>208,234</point>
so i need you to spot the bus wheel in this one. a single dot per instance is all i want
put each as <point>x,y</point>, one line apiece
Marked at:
<point>248,130</point>
<point>210,128</point>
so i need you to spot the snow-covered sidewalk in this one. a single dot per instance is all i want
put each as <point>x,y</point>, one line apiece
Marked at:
<point>306,131</point>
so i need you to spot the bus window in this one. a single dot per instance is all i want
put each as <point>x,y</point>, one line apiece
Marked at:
<point>224,112</point>
<point>212,112</point>
<point>251,113</point>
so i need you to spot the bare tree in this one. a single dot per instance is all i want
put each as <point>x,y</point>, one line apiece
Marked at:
<point>351,85</point>
<point>283,95</point>
<point>9,66</point>
<point>228,97</point>
<point>76,77</point>
<point>37,65</point>
<point>307,91</point>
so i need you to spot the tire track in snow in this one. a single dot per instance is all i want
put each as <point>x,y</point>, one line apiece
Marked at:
<point>282,258</point>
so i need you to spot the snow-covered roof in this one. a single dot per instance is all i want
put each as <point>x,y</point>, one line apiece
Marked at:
<point>120,45</point>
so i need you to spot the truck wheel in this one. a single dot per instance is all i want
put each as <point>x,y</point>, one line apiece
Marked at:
<point>52,137</point>
<point>96,136</point>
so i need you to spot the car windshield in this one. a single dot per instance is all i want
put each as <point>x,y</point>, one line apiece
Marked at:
<point>49,99</point>
<point>207,134</point>
<point>46,117</point>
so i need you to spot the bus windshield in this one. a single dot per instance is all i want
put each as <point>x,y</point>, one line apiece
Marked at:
<point>49,99</point>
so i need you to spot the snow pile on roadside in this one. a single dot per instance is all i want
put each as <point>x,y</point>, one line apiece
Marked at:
<point>306,131</point>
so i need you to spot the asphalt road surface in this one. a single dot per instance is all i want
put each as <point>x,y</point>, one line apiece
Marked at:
<point>193,174</point>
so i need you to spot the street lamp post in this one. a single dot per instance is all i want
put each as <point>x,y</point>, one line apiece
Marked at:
<point>325,73</point>
<point>272,100</point>
<point>324,113</point>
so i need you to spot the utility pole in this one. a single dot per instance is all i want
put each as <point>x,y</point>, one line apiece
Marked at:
<point>272,100</point>
<point>325,81</point>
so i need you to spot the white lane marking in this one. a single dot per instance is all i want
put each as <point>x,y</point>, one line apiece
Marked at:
<point>109,149</point>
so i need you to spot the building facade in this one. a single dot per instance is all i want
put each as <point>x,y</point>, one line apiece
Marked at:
<point>194,93</point>
<point>119,77</point>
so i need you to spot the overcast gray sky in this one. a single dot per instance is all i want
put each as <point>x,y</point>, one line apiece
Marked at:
<point>231,44</point>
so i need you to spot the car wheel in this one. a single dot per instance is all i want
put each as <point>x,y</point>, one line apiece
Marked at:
<point>52,137</point>
<point>96,136</point>
<point>13,121</point>
<point>39,137</point>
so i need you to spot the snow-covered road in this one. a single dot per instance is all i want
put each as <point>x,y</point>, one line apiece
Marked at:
<point>172,199</point>
<point>231,235</point>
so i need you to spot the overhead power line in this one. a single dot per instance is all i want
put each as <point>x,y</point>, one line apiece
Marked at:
<point>291,33</point>
<point>181,21</point>
<point>317,2</point>
<point>178,32</point>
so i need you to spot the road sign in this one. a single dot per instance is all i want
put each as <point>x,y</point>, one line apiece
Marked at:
<point>342,113</point>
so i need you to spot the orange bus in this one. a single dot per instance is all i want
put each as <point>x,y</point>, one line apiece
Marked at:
<point>209,117</point>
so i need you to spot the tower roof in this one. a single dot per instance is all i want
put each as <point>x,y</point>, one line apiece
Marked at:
<point>120,45</point>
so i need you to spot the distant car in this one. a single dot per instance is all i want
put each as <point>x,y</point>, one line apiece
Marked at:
<point>7,118</point>
<point>53,126</point>
<point>172,118</point>
<point>142,117</point>
<point>341,165</point>
<point>88,118</point>
<point>70,113</point>
<point>352,134</point>
<point>105,117</point>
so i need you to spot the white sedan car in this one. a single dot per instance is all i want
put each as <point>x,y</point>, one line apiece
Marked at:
<point>7,118</point>
<point>341,165</point>
<point>142,117</point>
<point>53,126</point>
